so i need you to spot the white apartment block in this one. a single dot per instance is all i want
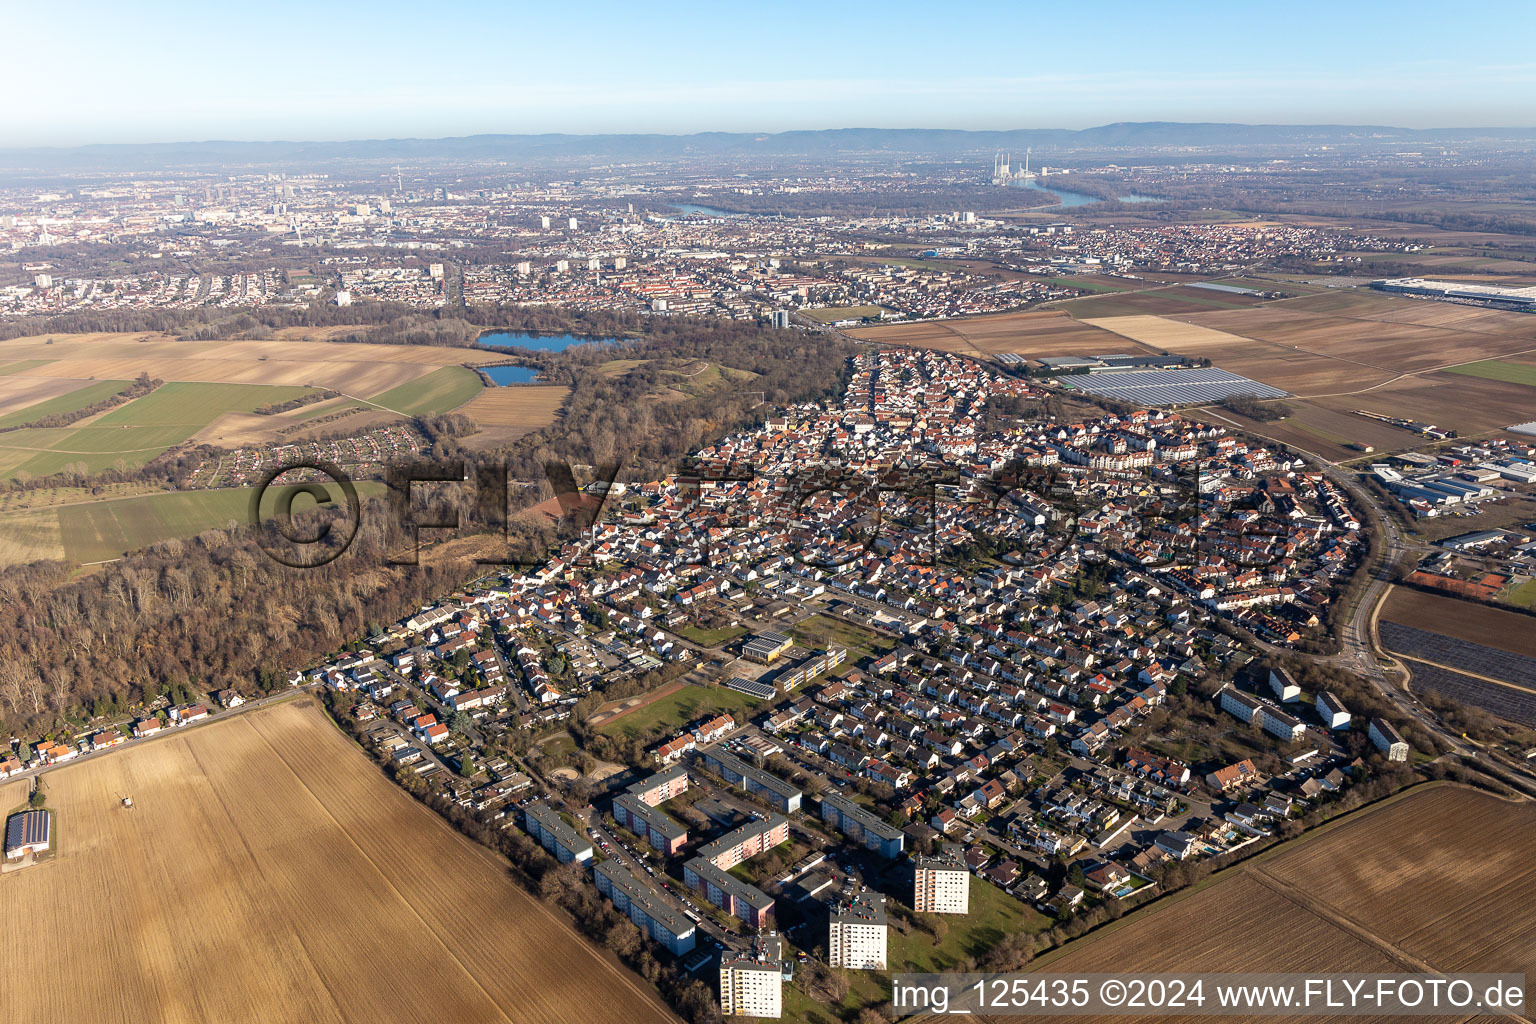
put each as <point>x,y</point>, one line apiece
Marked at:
<point>1388,740</point>
<point>941,884</point>
<point>752,982</point>
<point>857,935</point>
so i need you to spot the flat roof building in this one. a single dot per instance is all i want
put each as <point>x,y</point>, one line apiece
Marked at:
<point>941,884</point>
<point>856,935</point>
<point>766,646</point>
<point>729,893</point>
<point>661,787</point>
<point>751,839</point>
<point>546,825</point>
<point>649,823</point>
<point>753,780</point>
<point>752,982</point>
<point>859,824</point>
<point>645,907</point>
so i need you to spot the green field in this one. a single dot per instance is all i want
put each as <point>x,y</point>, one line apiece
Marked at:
<point>834,313</point>
<point>993,915</point>
<point>440,391</point>
<point>821,630</point>
<point>678,709</point>
<point>711,637</point>
<point>135,433</point>
<point>1498,369</point>
<point>101,530</point>
<point>77,399</point>
<point>1523,596</point>
<point>24,364</point>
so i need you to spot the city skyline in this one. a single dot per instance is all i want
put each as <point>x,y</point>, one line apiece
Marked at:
<point>336,74</point>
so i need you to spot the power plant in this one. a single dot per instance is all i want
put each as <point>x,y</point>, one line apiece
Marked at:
<point>1003,172</point>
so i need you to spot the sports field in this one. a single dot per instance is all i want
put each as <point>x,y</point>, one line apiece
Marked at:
<point>679,708</point>
<point>267,871</point>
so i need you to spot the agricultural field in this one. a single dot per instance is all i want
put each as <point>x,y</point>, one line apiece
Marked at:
<point>1031,335</point>
<point>1326,432</point>
<point>516,410</point>
<point>27,399</point>
<point>136,432</point>
<point>1475,623</point>
<point>1159,301</point>
<point>442,390</point>
<point>97,530</point>
<point>1500,369</point>
<point>1333,900</point>
<point>212,391</point>
<point>268,871</point>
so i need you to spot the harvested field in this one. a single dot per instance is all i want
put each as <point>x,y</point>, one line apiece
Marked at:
<point>1384,344</point>
<point>1327,432</point>
<point>1465,404</point>
<point>517,410</point>
<point>360,370</point>
<point>1028,334</point>
<point>268,871</point>
<point>1475,623</point>
<point>1334,900</point>
<point>30,537</point>
<point>1161,301</point>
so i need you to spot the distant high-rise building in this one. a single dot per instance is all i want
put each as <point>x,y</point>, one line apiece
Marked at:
<point>573,224</point>
<point>752,982</point>
<point>361,209</point>
<point>619,263</point>
<point>43,280</point>
<point>968,217</point>
<point>593,263</point>
<point>524,268</point>
<point>780,319</point>
<point>544,223</point>
<point>343,298</point>
<point>435,271</point>
<point>941,884</point>
<point>561,266</point>
<point>856,936</point>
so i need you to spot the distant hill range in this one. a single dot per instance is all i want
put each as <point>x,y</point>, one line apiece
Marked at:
<point>1126,137</point>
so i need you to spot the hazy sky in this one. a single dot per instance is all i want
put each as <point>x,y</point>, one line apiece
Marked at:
<point>77,71</point>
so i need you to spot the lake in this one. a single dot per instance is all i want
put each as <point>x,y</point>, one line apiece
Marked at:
<point>505,375</point>
<point>541,342</point>
<point>1080,199</point>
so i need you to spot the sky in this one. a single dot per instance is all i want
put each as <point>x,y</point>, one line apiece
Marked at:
<point>88,71</point>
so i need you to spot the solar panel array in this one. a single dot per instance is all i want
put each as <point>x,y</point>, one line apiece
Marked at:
<point>1172,387</point>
